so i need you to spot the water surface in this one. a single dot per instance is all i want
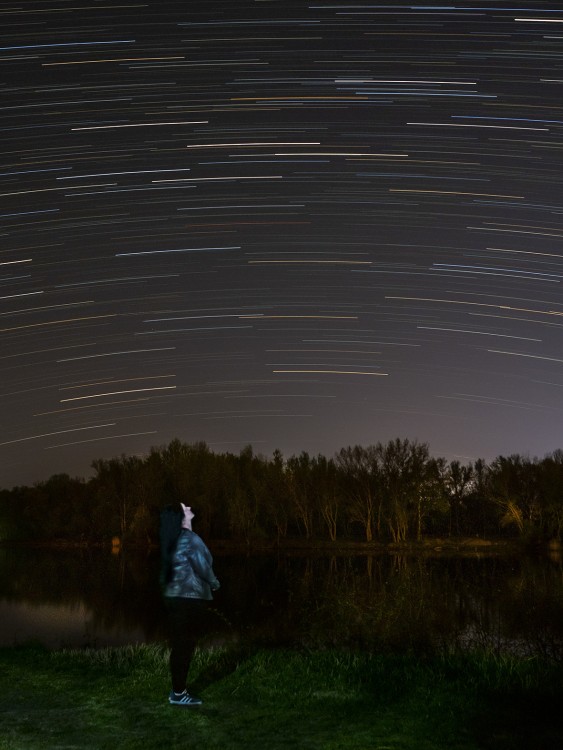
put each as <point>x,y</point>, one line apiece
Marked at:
<point>95,598</point>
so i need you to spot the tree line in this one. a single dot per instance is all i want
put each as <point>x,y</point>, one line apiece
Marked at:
<point>387,492</point>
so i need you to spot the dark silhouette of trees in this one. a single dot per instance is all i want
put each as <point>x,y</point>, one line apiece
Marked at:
<point>431,502</point>
<point>46,510</point>
<point>482,512</point>
<point>329,500</point>
<point>551,495</point>
<point>118,491</point>
<point>243,509</point>
<point>274,502</point>
<point>458,481</point>
<point>387,492</point>
<point>301,489</point>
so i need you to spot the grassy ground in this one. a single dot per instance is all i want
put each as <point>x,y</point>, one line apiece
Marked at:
<point>272,699</point>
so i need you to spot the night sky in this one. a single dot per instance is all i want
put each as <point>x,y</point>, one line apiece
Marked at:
<point>286,224</point>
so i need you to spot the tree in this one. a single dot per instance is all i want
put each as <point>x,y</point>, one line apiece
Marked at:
<point>360,482</point>
<point>458,483</point>
<point>325,482</point>
<point>481,511</point>
<point>551,494</point>
<point>301,491</point>
<point>275,496</point>
<point>117,486</point>
<point>515,488</point>
<point>243,506</point>
<point>410,485</point>
<point>431,499</point>
<point>57,508</point>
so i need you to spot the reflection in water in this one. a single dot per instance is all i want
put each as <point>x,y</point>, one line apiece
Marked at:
<point>56,625</point>
<point>91,597</point>
<point>20,622</point>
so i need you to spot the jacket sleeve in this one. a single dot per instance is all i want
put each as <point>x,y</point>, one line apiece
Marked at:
<point>202,564</point>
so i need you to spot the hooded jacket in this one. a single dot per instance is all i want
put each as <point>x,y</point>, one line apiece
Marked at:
<point>192,575</point>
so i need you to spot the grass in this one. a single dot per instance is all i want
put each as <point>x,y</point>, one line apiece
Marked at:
<point>274,699</point>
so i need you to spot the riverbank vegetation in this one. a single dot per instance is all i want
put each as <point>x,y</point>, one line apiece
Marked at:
<point>320,700</point>
<point>389,493</point>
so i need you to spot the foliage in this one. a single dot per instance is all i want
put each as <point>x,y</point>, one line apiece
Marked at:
<point>384,492</point>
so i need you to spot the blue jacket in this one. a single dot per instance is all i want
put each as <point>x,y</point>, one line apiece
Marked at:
<point>192,575</point>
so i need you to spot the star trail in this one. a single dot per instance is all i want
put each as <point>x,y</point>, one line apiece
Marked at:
<point>286,224</point>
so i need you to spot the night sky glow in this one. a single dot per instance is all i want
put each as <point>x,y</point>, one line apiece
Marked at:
<point>297,225</point>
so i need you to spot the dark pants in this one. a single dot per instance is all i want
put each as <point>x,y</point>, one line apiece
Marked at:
<point>187,623</point>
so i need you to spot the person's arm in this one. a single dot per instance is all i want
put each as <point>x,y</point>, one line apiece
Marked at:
<point>201,561</point>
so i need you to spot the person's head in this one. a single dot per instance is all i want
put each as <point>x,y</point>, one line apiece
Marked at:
<point>188,516</point>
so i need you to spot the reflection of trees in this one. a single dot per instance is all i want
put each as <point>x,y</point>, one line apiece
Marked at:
<point>397,602</point>
<point>120,591</point>
<point>370,601</point>
<point>374,602</point>
<point>537,592</point>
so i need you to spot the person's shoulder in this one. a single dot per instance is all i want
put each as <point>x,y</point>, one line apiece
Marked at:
<point>190,537</point>
<point>196,542</point>
<point>183,539</point>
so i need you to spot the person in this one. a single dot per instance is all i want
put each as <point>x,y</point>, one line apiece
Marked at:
<point>187,580</point>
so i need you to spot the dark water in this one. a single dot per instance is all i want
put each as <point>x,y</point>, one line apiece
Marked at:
<point>96,598</point>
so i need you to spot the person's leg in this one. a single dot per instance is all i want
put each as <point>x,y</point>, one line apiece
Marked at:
<point>185,622</point>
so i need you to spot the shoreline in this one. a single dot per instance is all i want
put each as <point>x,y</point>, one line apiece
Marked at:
<point>431,545</point>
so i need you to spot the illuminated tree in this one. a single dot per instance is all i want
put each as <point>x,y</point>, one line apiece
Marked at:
<point>515,488</point>
<point>360,480</point>
<point>410,484</point>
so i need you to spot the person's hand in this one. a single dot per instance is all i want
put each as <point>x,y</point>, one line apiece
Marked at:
<point>215,586</point>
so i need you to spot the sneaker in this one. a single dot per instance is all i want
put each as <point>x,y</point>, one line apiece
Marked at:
<point>183,699</point>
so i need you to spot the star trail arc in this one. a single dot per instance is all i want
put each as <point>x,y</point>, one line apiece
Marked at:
<point>336,210</point>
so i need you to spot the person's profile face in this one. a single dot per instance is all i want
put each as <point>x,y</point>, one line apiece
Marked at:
<point>188,515</point>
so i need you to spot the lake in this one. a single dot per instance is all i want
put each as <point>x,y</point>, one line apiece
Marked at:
<point>91,597</point>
